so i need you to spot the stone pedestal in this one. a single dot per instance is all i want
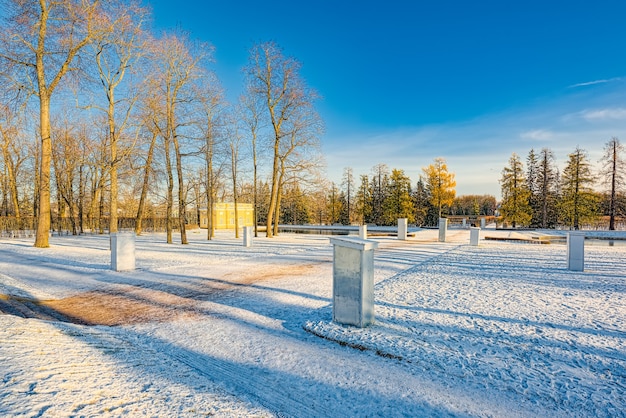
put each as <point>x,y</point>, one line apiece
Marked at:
<point>576,251</point>
<point>443,227</point>
<point>247,236</point>
<point>363,231</point>
<point>474,235</point>
<point>402,228</point>
<point>483,223</point>
<point>122,251</point>
<point>353,281</point>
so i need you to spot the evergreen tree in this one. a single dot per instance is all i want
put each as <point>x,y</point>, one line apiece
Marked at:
<point>547,181</point>
<point>334,205</point>
<point>440,184</point>
<point>379,188</point>
<point>364,201</point>
<point>348,189</point>
<point>421,201</point>
<point>613,174</point>
<point>515,206</point>
<point>578,202</point>
<point>399,203</point>
<point>344,211</point>
<point>532,182</point>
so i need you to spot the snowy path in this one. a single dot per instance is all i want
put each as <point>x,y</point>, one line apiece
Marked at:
<point>499,330</point>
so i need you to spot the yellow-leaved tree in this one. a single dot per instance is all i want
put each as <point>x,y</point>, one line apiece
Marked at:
<point>440,184</point>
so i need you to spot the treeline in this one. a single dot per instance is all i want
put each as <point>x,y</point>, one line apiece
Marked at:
<point>384,196</point>
<point>540,195</point>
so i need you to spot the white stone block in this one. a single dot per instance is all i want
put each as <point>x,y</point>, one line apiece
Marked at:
<point>474,235</point>
<point>247,236</point>
<point>483,223</point>
<point>353,281</point>
<point>464,223</point>
<point>122,251</point>
<point>443,227</point>
<point>402,228</point>
<point>363,231</point>
<point>576,251</point>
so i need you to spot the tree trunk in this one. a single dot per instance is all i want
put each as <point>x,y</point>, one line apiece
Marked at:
<point>43,216</point>
<point>182,206</point>
<point>144,186</point>
<point>113,162</point>
<point>170,191</point>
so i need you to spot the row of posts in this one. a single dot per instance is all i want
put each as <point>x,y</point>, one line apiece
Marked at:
<point>353,266</point>
<point>353,270</point>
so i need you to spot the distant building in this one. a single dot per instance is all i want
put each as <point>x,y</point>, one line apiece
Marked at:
<point>224,215</point>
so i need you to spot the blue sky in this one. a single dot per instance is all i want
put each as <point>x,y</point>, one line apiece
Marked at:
<point>404,82</point>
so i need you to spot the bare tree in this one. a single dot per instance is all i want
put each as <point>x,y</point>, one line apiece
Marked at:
<point>116,52</point>
<point>278,84</point>
<point>211,126</point>
<point>613,173</point>
<point>251,110</point>
<point>44,38</point>
<point>179,67</point>
<point>14,154</point>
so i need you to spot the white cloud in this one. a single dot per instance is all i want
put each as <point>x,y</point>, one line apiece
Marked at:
<point>594,82</point>
<point>538,135</point>
<point>617,113</point>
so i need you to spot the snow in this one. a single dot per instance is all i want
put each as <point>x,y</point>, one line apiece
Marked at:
<point>216,328</point>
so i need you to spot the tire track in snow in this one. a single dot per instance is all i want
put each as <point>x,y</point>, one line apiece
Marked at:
<point>273,395</point>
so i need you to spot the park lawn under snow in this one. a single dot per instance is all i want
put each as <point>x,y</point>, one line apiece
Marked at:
<point>503,329</point>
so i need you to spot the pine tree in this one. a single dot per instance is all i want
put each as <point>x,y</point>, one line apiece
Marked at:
<point>547,180</point>
<point>578,202</point>
<point>379,188</point>
<point>364,201</point>
<point>421,201</point>
<point>515,206</point>
<point>532,182</point>
<point>399,203</point>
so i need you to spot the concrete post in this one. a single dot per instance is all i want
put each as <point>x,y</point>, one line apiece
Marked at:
<point>474,235</point>
<point>363,231</point>
<point>247,236</point>
<point>122,251</point>
<point>483,223</point>
<point>353,281</point>
<point>464,223</point>
<point>443,226</point>
<point>576,251</point>
<point>402,228</point>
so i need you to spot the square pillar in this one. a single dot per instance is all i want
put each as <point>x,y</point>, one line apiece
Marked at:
<point>483,223</point>
<point>363,231</point>
<point>247,236</point>
<point>402,228</point>
<point>576,251</point>
<point>464,225</point>
<point>443,227</point>
<point>353,281</point>
<point>474,235</point>
<point>122,251</point>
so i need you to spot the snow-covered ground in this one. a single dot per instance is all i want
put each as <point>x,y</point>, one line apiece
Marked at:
<point>214,328</point>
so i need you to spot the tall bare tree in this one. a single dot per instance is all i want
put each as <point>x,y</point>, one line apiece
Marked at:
<point>179,67</point>
<point>43,38</point>
<point>211,126</point>
<point>613,173</point>
<point>116,53</point>
<point>286,101</point>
